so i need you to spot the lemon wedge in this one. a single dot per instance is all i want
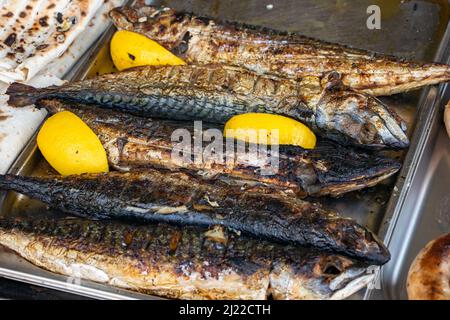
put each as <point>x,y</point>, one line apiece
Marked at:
<point>103,64</point>
<point>265,128</point>
<point>130,49</point>
<point>70,146</point>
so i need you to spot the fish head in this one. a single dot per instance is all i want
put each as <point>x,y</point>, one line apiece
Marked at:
<point>154,22</point>
<point>360,119</point>
<point>319,276</point>
<point>333,169</point>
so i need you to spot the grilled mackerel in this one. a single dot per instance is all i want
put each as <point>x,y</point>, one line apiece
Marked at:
<point>183,263</point>
<point>201,40</point>
<point>179,199</point>
<point>215,93</point>
<point>133,142</point>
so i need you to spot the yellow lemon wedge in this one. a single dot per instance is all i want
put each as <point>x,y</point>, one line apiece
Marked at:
<point>103,64</point>
<point>70,146</point>
<point>130,49</point>
<point>269,129</point>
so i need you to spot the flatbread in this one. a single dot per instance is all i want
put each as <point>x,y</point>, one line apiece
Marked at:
<point>96,26</point>
<point>17,125</point>
<point>34,33</point>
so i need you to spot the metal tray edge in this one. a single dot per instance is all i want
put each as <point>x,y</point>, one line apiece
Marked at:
<point>427,113</point>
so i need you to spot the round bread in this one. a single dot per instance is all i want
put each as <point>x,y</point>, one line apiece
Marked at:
<point>429,274</point>
<point>447,118</point>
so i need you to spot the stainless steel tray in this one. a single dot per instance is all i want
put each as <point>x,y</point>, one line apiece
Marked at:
<point>372,207</point>
<point>420,212</point>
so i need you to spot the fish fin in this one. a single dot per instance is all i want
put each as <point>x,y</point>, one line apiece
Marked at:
<point>21,95</point>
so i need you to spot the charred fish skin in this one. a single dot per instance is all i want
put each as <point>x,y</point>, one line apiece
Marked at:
<point>153,259</point>
<point>209,93</point>
<point>215,93</point>
<point>133,142</point>
<point>202,40</point>
<point>180,263</point>
<point>179,199</point>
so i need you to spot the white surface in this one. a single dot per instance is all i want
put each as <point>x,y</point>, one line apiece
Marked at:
<point>99,23</point>
<point>17,125</point>
<point>43,30</point>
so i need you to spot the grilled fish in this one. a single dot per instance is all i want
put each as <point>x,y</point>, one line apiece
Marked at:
<point>183,263</point>
<point>202,40</point>
<point>132,142</point>
<point>215,93</point>
<point>177,198</point>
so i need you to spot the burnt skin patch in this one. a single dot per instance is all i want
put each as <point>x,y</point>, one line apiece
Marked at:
<point>41,47</point>
<point>9,41</point>
<point>244,266</point>
<point>59,17</point>
<point>43,21</point>
<point>23,14</point>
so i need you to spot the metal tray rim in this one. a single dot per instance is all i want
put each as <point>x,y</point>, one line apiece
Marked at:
<point>428,111</point>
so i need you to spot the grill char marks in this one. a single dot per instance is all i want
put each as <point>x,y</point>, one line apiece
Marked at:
<point>143,258</point>
<point>277,53</point>
<point>135,142</point>
<point>179,199</point>
<point>215,93</point>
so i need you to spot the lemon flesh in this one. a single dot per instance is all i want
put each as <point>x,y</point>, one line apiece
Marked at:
<point>269,129</point>
<point>103,64</point>
<point>130,49</point>
<point>70,146</point>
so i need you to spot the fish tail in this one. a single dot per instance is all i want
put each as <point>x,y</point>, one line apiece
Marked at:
<point>29,186</point>
<point>11,182</point>
<point>5,181</point>
<point>21,95</point>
